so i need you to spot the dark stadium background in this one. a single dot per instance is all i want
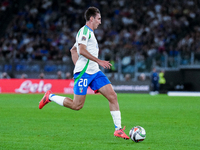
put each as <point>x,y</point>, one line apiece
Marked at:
<point>36,36</point>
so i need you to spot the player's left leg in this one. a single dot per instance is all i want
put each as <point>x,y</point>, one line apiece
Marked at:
<point>102,84</point>
<point>110,94</point>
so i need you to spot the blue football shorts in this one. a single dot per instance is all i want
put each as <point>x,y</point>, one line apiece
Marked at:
<point>94,81</point>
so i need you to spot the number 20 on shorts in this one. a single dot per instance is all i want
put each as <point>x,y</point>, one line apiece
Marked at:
<point>82,82</point>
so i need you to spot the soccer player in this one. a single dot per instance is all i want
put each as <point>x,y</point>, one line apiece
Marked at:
<point>87,73</point>
<point>154,81</point>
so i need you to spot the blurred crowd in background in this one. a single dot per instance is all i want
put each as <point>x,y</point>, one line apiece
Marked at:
<point>45,30</point>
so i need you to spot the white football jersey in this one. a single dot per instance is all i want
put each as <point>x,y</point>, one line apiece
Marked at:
<point>86,36</point>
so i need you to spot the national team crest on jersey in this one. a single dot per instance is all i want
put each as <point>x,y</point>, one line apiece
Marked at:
<point>83,38</point>
<point>81,90</point>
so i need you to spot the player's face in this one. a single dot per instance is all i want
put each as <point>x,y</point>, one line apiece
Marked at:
<point>97,21</point>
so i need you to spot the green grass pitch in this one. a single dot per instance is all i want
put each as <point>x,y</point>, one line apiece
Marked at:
<point>171,123</point>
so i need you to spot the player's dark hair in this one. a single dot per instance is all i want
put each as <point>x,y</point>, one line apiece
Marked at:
<point>91,12</point>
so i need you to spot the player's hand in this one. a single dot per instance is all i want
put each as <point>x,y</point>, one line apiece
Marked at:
<point>105,64</point>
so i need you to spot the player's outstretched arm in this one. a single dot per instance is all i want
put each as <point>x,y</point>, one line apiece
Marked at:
<point>74,54</point>
<point>83,51</point>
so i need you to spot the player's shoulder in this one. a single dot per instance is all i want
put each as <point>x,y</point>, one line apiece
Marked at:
<point>85,31</point>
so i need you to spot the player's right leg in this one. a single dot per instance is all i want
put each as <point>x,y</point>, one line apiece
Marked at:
<point>80,90</point>
<point>45,100</point>
<point>75,104</point>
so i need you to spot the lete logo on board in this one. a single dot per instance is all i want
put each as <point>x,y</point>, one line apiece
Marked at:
<point>27,86</point>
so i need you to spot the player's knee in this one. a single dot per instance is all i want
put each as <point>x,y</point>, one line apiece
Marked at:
<point>113,97</point>
<point>78,107</point>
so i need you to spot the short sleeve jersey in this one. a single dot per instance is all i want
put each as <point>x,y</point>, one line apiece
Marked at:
<point>86,36</point>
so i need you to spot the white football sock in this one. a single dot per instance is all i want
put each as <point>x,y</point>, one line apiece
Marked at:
<point>58,99</point>
<point>116,115</point>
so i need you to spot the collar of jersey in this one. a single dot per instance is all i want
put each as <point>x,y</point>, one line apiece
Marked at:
<point>89,28</point>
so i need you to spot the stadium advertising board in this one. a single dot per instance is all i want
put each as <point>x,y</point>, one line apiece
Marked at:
<point>63,86</point>
<point>131,87</point>
<point>37,86</point>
